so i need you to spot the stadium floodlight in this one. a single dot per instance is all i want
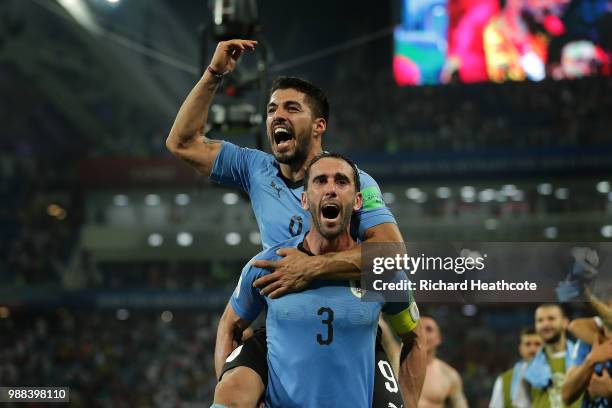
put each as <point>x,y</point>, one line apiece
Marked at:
<point>120,200</point>
<point>182,199</point>
<point>413,193</point>
<point>255,238</point>
<point>155,240</point>
<point>389,198</point>
<point>491,224</point>
<point>551,232</point>
<point>486,195</point>
<point>468,194</point>
<point>443,192</point>
<point>603,187</point>
<point>233,19</point>
<point>230,198</point>
<point>113,1</point>
<point>562,193</point>
<point>469,310</point>
<point>152,200</point>
<point>508,189</point>
<point>166,316</point>
<point>545,188</point>
<point>233,238</point>
<point>606,231</point>
<point>184,239</point>
<point>122,314</point>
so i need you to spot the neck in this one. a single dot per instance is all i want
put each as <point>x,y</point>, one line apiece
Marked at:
<point>319,245</point>
<point>295,171</point>
<point>555,347</point>
<point>431,356</point>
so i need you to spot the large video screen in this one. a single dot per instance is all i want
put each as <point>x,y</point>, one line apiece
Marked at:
<point>449,41</point>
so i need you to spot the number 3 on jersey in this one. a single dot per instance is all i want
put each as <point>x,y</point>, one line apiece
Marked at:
<point>329,318</point>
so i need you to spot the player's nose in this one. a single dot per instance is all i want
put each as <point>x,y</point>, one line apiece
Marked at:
<point>329,189</point>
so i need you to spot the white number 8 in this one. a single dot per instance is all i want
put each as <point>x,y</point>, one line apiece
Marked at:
<point>387,372</point>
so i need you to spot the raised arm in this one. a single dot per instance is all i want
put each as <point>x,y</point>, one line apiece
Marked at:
<point>584,329</point>
<point>186,139</point>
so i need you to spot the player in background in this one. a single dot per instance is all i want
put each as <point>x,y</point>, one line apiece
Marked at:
<point>590,373</point>
<point>442,382</point>
<point>297,117</point>
<point>509,390</point>
<point>546,371</point>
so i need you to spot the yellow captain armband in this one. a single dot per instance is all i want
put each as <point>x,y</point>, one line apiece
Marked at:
<point>406,320</point>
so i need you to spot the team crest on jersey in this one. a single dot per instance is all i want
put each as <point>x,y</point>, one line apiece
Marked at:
<point>356,289</point>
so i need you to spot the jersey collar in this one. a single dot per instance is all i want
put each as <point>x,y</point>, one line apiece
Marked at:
<point>291,184</point>
<point>304,250</point>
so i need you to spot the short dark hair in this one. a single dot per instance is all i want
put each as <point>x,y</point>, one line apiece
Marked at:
<point>557,305</point>
<point>315,97</point>
<point>325,155</point>
<point>528,331</point>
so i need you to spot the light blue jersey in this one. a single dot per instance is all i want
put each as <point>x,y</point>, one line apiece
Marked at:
<point>320,341</point>
<point>276,202</point>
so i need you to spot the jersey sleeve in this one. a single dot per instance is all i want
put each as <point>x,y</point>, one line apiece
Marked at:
<point>246,300</point>
<point>234,165</point>
<point>403,315</point>
<point>579,353</point>
<point>374,211</point>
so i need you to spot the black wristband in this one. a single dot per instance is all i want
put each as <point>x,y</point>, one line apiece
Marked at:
<point>216,74</point>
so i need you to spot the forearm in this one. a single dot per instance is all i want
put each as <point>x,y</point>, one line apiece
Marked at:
<point>228,331</point>
<point>584,329</point>
<point>576,382</point>
<point>345,265</point>
<point>412,370</point>
<point>192,115</point>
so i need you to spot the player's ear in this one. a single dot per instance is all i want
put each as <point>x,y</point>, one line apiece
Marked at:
<point>358,202</point>
<point>304,201</point>
<point>319,126</point>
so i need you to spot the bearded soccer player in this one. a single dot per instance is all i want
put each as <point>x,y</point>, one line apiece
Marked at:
<point>297,115</point>
<point>321,339</point>
<point>546,371</point>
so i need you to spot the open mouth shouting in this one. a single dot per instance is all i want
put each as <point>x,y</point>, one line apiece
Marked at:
<point>330,212</point>
<point>283,137</point>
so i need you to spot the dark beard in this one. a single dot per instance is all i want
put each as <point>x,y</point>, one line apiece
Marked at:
<point>346,220</point>
<point>554,339</point>
<point>298,158</point>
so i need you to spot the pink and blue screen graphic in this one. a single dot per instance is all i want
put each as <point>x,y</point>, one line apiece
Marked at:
<point>420,42</point>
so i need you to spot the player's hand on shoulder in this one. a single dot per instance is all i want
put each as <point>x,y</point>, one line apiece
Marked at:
<point>228,52</point>
<point>288,274</point>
